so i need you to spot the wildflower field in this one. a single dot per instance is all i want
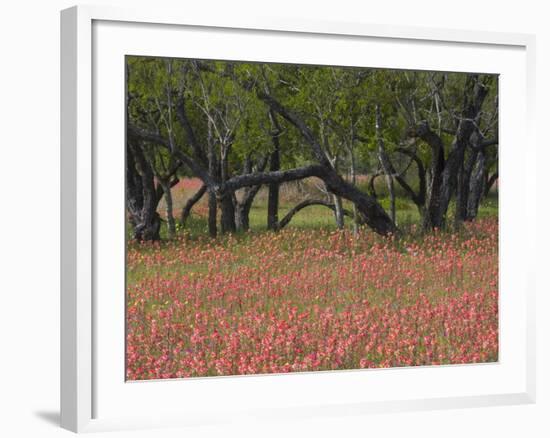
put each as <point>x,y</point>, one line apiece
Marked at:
<point>298,217</point>
<point>311,299</point>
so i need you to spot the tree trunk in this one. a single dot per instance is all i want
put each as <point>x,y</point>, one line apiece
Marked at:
<point>490,182</point>
<point>134,188</point>
<point>419,198</point>
<point>353,182</point>
<point>371,187</point>
<point>463,188</point>
<point>212,214</point>
<point>227,223</point>
<point>474,95</point>
<point>166,187</point>
<point>371,211</point>
<point>338,212</point>
<point>307,203</point>
<point>476,187</point>
<point>225,198</point>
<point>384,162</point>
<point>274,165</point>
<point>186,210</point>
<point>142,206</point>
<point>242,217</point>
<point>242,209</point>
<point>437,165</point>
<point>448,185</point>
<point>212,173</point>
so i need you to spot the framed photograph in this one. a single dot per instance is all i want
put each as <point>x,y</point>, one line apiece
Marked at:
<point>283,218</point>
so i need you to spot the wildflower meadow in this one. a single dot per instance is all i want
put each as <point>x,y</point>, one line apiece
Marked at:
<point>311,300</point>
<point>295,218</point>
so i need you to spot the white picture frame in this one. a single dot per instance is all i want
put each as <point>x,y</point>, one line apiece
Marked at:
<point>92,386</point>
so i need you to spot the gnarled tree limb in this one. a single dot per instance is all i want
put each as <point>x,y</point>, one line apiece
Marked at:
<point>307,203</point>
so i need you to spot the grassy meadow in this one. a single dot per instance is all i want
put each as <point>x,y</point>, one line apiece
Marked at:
<point>310,297</point>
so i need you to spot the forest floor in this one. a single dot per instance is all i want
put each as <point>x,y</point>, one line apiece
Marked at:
<point>309,297</point>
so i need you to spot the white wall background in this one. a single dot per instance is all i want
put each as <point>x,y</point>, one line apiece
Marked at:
<point>29,215</point>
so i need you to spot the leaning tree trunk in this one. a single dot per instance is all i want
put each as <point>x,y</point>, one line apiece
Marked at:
<point>371,185</point>
<point>491,180</point>
<point>371,212</point>
<point>307,203</point>
<point>369,209</point>
<point>186,210</point>
<point>242,209</point>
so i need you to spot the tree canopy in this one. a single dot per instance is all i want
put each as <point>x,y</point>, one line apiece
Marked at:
<point>239,126</point>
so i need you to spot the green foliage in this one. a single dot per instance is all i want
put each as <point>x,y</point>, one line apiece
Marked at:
<point>337,104</point>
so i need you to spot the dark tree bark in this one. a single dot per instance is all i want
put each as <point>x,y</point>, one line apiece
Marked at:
<point>371,211</point>
<point>134,188</point>
<point>437,165</point>
<point>418,198</point>
<point>212,175</point>
<point>463,187</point>
<point>476,187</point>
<point>474,95</point>
<point>212,214</point>
<point>307,203</point>
<point>338,212</point>
<point>160,190</point>
<point>274,165</point>
<point>371,186</point>
<point>166,186</point>
<point>472,180</point>
<point>385,162</point>
<point>227,222</point>
<point>445,173</point>
<point>186,210</point>
<point>242,207</point>
<point>353,179</point>
<point>490,182</point>
<point>141,198</point>
<point>141,195</point>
